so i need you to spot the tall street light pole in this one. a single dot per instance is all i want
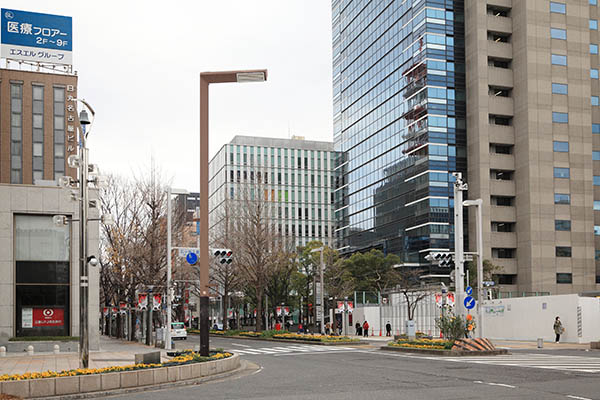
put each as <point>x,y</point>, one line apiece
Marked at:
<point>459,281</point>
<point>206,78</point>
<point>84,341</point>
<point>169,289</point>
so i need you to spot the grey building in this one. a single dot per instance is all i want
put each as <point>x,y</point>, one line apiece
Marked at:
<point>295,174</point>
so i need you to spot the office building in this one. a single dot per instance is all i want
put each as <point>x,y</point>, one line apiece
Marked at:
<point>294,174</point>
<point>522,78</point>
<point>399,124</point>
<point>39,267</point>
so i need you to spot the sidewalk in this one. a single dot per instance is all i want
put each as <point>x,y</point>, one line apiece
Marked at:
<point>525,344</point>
<point>112,352</point>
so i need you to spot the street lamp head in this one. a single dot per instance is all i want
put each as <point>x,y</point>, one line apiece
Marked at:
<point>255,76</point>
<point>84,119</point>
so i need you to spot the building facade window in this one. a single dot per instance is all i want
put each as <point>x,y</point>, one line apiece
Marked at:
<point>16,133</point>
<point>562,198</point>
<point>594,73</point>
<point>559,8</point>
<point>596,180</point>
<point>563,251</point>
<point>59,132</point>
<point>562,225</point>
<point>594,24</point>
<point>561,147</point>
<point>593,48</point>
<point>559,59</point>
<point>596,155</point>
<point>560,88</point>
<point>557,33</point>
<point>563,173</point>
<point>38,132</point>
<point>564,278</point>
<point>560,117</point>
<point>595,101</point>
<point>42,283</point>
<point>596,205</point>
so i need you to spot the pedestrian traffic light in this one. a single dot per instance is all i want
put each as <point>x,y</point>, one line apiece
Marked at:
<point>224,256</point>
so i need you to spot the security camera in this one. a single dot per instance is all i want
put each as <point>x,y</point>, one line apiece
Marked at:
<point>93,261</point>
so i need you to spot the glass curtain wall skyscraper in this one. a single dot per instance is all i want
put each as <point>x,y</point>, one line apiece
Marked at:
<point>399,123</point>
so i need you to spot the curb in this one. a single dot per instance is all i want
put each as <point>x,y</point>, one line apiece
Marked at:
<point>189,382</point>
<point>446,353</point>
<point>294,341</point>
<point>94,385</point>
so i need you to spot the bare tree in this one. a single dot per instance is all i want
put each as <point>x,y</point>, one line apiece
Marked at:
<point>408,283</point>
<point>255,238</point>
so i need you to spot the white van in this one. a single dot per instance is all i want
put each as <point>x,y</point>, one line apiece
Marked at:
<point>178,331</point>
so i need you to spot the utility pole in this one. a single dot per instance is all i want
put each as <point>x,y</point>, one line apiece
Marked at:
<point>321,307</point>
<point>479,204</point>
<point>169,270</point>
<point>459,187</point>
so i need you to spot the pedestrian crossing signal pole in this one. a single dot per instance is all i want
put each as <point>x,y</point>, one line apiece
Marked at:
<point>459,187</point>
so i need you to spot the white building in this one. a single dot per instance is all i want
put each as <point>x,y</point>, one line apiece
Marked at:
<point>295,173</point>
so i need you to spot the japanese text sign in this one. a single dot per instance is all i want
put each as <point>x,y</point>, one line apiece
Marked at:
<point>36,37</point>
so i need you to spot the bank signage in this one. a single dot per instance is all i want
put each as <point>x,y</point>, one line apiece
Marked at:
<point>36,37</point>
<point>43,317</point>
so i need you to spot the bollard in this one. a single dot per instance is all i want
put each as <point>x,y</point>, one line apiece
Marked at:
<point>30,350</point>
<point>2,351</point>
<point>540,343</point>
<point>56,349</point>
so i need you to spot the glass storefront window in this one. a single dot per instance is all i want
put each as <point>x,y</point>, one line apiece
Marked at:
<point>42,254</point>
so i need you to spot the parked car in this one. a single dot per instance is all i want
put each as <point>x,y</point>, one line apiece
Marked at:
<point>178,331</point>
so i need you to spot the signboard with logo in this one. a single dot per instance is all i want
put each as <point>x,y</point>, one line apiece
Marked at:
<point>48,317</point>
<point>36,37</point>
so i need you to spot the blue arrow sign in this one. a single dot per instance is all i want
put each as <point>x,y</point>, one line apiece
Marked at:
<point>191,258</point>
<point>469,302</point>
<point>469,290</point>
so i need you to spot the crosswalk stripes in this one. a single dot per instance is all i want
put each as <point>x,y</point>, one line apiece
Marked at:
<point>294,349</point>
<point>542,361</point>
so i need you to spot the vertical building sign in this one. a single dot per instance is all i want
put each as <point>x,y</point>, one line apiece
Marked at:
<point>35,37</point>
<point>71,146</point>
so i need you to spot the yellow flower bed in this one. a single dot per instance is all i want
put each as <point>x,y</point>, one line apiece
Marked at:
<point>250,334</point>
<point>418,346</point>
<point>181,359</point>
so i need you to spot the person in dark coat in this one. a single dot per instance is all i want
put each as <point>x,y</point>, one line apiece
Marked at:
<point>358,329</point>
<point>388,329</point>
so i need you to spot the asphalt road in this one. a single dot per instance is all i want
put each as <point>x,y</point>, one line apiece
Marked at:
<point>276,370</point>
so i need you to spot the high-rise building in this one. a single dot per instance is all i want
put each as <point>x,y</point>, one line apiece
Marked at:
<point>295,174</point>
<point>399,124</point>
<point>533,122</point>
<point>528,71</point>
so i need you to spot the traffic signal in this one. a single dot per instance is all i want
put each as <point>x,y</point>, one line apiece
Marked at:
<point>443,259</point>
<point>224,256</point>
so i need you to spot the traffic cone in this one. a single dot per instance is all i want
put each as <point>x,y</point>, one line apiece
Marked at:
<point>379,332</point>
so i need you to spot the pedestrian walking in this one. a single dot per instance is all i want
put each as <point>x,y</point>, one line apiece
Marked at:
<point>366,329</point>
<point>388,329</point>
<point>327,328</point>
<point>358,328</point>
<point>558,329</point>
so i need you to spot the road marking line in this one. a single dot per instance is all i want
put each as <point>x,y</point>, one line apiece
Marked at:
<point>577,397</point>
<point>313,352</point>
<point>241,345</point>
<point>502,384</point>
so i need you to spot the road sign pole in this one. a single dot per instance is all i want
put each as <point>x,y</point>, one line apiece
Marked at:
<point>480,267</point>
<point>169,267</point>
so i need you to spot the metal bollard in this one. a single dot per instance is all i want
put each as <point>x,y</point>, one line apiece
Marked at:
<point>56,349</point>
<point>30,350</point>
<point>2,351</point>
<point>540,343</point>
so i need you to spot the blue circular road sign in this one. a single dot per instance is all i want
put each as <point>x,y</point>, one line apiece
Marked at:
<point>469,290</point>
<point>191,258</point>
<point>469,302</point>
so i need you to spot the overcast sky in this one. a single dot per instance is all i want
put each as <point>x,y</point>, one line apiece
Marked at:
<point>139,62</point>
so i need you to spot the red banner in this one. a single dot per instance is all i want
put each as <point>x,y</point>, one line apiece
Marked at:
<point>156,300</point>
<point>142,301</point>
<point>48,317</point>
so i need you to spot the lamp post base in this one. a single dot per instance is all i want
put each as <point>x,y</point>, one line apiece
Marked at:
<point>204,326</point>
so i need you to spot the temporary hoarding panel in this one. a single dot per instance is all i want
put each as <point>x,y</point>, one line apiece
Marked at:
<point>36,37</point>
